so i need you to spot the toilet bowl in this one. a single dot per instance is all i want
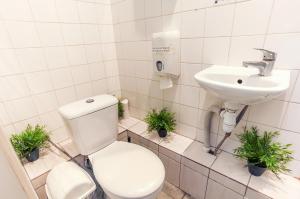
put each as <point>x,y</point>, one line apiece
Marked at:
<point>123,170</point>
<point>126,170</point>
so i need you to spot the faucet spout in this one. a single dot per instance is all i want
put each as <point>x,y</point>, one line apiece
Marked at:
<point>265,66</point>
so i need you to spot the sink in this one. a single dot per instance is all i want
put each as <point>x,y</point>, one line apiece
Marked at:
<point>241,85</point>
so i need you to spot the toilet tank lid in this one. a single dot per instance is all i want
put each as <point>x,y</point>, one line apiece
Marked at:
<point>87,106</point>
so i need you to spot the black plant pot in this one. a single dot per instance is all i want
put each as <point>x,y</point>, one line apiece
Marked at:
<point>33,155</point>
<point>255,169</point>
<point>162,133</point>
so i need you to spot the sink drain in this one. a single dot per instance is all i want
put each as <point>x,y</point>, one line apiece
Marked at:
<point>239,81</point>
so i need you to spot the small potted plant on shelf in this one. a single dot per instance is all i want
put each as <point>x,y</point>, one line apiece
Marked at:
<point>262,153</point>
<point>120,110</point>
<point>28,143</point>
<point>162,121</point>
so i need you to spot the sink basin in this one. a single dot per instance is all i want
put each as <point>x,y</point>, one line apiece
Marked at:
<point>243,85</point>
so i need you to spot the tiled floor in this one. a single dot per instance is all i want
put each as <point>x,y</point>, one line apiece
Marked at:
<point>169,191</point>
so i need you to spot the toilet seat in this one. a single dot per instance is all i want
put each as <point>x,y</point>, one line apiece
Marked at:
<point>126,170</point>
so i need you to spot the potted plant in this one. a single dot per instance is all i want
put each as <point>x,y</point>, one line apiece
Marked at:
<point>162,121</point>
<point>29,142</point>
<point>262,153</point>
<point>120,110</point>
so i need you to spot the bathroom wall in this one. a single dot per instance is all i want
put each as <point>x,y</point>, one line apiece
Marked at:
<point>223,33</point>
<point>53,52</point>
<point>9,185</point>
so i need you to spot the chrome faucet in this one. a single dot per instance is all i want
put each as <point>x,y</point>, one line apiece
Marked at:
<point>265,66</point>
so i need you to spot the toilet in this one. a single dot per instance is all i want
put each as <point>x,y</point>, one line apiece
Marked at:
<point>123,170</point>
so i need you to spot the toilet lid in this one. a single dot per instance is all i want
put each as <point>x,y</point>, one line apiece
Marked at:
<point>128,170</point>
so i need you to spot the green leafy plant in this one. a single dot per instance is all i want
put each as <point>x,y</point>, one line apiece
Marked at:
<point>262,151</point>
<point>120,110</point>
<point>29,140</point>
<point>164,119</point>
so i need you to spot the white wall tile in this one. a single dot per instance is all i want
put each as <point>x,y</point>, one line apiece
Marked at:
<point>189,96</point>
<point>194,4</point>
<point>52,120</point>
<point>50,34</point>
<point>84,90</point>
<point>109,51</point>
<point>72,34</point>
<point>97,71</point>
<point>99,87</point>
<point>65,95</point>
<point>133,31</point>
<point>28,38</point>
<point>90,33</point>
<point>291,121</point>
<point>131,9</point>
<point>43,10</point>
<point>171,6</point>
<point>13,87</point>
<point>191,50</point>
<point>9,63</point>
<point>44,50</point>
<point>45,102</point>
<point>107,33</point>
<point>188,115</point>
<point>31,59</point>
<point>219,21</point>
<point>4,117</point>
<point>296,93</point>
<point>4,38</point>
<point>187,73</point>
<point>270,113</point>
<point>67,10</point>
<point>61,78</point>
<point>93,53</point>
<point>87,12</point>
<point>80,74</point>
<point>241,49</point>
<point>172,22</point>
<point>15,9</point>
<point>212,53</point>
<point>153,8</point>
<point>285,17</point>
<point>39,82</point>
<point>21,109</point>
<point>248,22</point>
<point>56,57</point>
<point>153,25</point>
<point>286,46</point>
<point>76,55</point>
<point>188,21</point>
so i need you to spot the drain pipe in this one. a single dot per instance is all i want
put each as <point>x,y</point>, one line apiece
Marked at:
<point>207,125</point>
<point>227,134</point>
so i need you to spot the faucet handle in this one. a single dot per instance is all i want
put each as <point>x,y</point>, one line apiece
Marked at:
<point>268,55</point>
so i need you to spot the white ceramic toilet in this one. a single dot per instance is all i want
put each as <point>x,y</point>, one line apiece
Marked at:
<point>123,170</point>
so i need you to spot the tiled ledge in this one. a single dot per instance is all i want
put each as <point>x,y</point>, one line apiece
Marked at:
<point>225,169</point>
<point>198,173</point>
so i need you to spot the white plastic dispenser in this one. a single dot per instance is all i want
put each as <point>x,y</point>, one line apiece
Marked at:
<point>165,52</point>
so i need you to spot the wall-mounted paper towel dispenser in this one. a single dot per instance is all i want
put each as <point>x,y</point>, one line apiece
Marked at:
<point>166,57</point>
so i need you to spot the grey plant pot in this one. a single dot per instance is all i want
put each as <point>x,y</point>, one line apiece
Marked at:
<point>162,133</point>
<point>256,170</point>
<point>33,155</point>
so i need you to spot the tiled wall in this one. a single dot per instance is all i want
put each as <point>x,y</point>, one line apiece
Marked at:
<point>222,33</point>
<point>53,52</point>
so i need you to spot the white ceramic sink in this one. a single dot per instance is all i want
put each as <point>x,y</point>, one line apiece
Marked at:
<point>243,85</point>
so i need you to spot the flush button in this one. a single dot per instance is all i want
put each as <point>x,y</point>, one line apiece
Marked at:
<point>90,100</point>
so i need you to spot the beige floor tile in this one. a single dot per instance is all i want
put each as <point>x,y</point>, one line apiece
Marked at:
<point>163,195</point>
<point>172,191</point>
